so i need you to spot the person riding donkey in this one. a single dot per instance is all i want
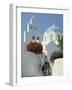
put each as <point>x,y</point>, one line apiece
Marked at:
<point>46,68</point>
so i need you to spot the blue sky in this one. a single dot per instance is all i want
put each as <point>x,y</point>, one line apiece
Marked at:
<point>43,20</point>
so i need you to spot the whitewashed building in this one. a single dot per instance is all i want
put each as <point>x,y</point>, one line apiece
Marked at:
<point>32,33</point>
<point>50,38</point>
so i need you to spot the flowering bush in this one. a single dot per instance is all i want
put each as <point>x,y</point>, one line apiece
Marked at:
<point>34,47</point>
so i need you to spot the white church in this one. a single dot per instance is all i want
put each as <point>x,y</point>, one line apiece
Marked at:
<point>50,39</point>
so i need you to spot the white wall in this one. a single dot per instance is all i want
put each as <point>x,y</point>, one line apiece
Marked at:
<point>4,45</point>
<point>57,68</point>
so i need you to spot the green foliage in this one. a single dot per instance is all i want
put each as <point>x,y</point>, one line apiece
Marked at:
<point>61,43</point>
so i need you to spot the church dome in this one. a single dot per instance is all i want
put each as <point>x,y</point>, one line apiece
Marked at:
<point>53,28</point>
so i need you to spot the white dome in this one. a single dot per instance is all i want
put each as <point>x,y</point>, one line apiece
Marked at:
<point>53,28</point>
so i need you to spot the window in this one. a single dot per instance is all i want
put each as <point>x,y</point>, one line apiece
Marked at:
<point>51,37</point>
<point>33,37</point>
<point>38,37</point>
<point>58,37</point>
<point>31,26</point>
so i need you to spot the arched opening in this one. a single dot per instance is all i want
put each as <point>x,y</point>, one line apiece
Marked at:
<point>51,37</point>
